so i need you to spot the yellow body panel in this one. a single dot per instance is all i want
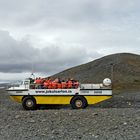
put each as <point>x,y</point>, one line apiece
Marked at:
<point>61,99</point>
<point>96,99</point>
<point>53,99</point>
<point>16,98</point>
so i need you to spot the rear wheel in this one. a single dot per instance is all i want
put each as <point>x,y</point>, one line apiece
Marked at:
<point>78,102</point>
<point>29,103</point>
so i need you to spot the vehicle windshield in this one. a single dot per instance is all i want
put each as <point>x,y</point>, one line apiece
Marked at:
<point>26,82</point>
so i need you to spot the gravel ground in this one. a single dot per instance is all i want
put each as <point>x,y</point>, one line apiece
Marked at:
<point>115,119</point>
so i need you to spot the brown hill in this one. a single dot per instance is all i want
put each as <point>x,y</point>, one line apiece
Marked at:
<point>126,71</point>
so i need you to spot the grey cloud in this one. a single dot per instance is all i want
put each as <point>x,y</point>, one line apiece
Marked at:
<point>64,12</point>
<point>20,56</point>
<point>85,30</point>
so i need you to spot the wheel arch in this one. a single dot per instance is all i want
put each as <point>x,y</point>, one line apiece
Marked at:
<point>30,96</point>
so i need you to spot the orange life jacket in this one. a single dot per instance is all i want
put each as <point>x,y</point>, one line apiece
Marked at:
<point>64,85</point>
<point>54,85</point>
<point>50,85</point>
<point>59,86</point>
<point>38,81</point>
<point>45,84</point>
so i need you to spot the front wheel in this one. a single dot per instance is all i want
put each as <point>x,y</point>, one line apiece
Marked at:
<point>78,102</point>
<point>29,103</point>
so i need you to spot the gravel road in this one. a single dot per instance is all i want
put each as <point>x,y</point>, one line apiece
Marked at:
<point>115,119</point>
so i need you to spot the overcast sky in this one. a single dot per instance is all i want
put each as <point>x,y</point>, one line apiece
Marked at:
<point>49,36</point>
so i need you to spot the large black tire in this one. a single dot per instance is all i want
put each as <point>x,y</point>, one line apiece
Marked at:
<point>29,103</point>
<point>78,102</point>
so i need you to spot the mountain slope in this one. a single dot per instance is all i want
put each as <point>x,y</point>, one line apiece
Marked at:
<point>126,71</point>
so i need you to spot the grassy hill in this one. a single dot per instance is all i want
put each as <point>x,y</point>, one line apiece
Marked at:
<point>126,71</point>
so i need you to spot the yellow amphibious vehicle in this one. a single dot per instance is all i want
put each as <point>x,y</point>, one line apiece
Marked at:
<point>80,97</point>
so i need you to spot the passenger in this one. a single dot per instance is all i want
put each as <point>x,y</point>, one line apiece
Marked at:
<point>38,80</point>
<point>59,86</point>
<point>59,81</point>
<point>73,81</point>
<point>69,83</point>
<point>64,84</point>
<point>50,85</point>
<point>38,83</point>
<point>47,84</point>
<point>49,79</point>
<point>31,80</point>
<point>56,80</point>
<point>42,82</point>
<point>35,81</point>
<point>32,85</point>
<point>76,84</point>
<point>54,83</point>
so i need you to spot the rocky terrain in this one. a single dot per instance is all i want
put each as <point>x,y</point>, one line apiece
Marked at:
<point>115,119</point>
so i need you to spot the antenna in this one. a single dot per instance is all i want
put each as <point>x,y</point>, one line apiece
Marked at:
<point>32,68</point>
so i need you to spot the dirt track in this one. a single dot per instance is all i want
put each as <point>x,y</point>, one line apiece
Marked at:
<point>117,118</point>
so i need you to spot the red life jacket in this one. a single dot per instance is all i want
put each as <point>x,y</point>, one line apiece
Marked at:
<point>76,84</point>
<point>69,84</point>
<point>46,84</point>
